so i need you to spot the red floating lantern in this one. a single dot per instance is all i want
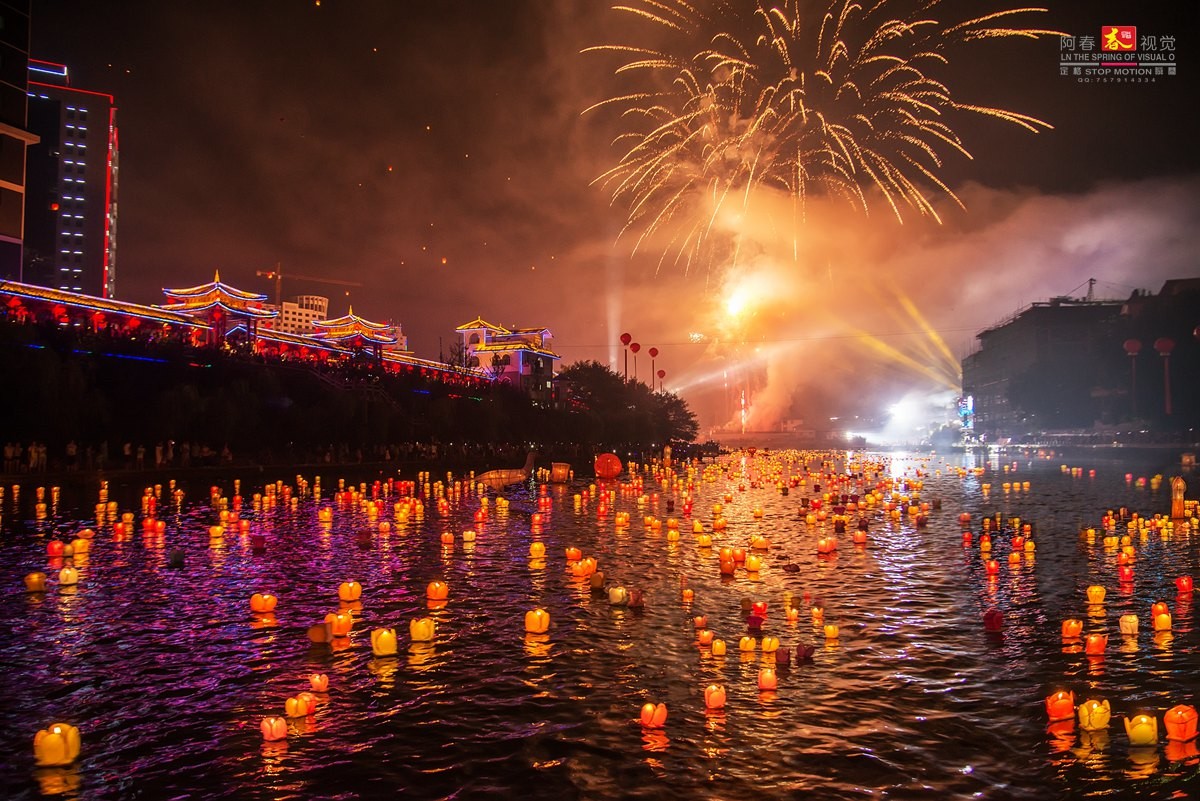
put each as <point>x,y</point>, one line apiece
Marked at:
<point>1183,584</point>
<point>1181,723</point>
<point>1125,573</point>
<point>993,620</point>
<point>608,465</point>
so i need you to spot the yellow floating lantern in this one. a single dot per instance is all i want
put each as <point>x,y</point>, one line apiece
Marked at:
<point>383,642</point>
<point>1162,621</point>
<point>1095,594</point>
<point>714,696</point>
<point>56,745</point>
<point>747,644</point>
<point>537,550</point>
<point>770,645</point>
<point>422,629</point>
<point>298,707</point>
<point>654,715</point>
<point>718,648</point>
<point>831,632</point>
<point>35,582</point>
<point>753,563</point>
<point>262,603</point>
<point>1142,730</point>
<point>273,728</point>
<point>68,577</point>
<point>1094,715</point>
<point>537,621</point>
<point>350,591</point>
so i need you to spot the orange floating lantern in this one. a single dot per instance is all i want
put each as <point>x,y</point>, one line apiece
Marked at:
<point>298,707</point>
<point>1095,594</point>
<point>1072,628</point>
<point>718,648</point>
<point>728,567</point>
<point>1181,722</point>
<point>68,577</point>
<point>688,595</point>
<point>831,631</point>
<point>1159,608</point>
<point>35,582</point>
<point>350,591</point>
<point>537,621</point>
<point>993,567</point>
<point>714,696</point>
<point>1060,705</point>
<point>1162,622</point>
<point>319,682</point>
<point>273,728</point>
<point>654,715</point>
<point>437,591</point>
<point>1094,715</point>
<point>608,465</point>
<point>747,644</point>
<point>339,623</point>
<point>767,679</point>
<point>770,644</point>
<point>700,621</point>
<point>818,615</point>
<point>574,554</point>
<point>753,563</point>
<point>704,636</point>
<point>54,548</point>
<point>537,550</point>
<point>383,642</point>
<point>262,603</point>
<point>1095,644</point>
<point>422,629</point>
<point>56,745</point>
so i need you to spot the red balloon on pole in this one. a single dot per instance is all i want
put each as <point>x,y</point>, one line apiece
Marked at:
<point>626,339</point>
<point>662,373</point>
<point>653,352</point>
<point>635,347</point>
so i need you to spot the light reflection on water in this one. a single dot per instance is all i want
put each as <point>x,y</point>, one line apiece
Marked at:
<point>167,673</point>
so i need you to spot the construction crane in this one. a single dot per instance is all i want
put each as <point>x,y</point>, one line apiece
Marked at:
<point>276,275</point>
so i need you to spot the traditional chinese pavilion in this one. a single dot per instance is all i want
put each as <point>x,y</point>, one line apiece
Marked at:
<point>221,306</point>
<point>520,356</point>
<point>29,303</point>
<point>354,332</point>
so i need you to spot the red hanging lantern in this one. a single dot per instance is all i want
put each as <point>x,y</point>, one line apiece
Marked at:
<point>1133,346</point>
<point>1164,346</point>
<point>635,347</point>
<point>626,339</point>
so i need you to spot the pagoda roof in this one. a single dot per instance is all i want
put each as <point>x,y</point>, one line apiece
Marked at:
<point>479,322</point>
<point>216,294</point>
<point>102,305</point>
<point>351,327</point>
<point>506,347</point>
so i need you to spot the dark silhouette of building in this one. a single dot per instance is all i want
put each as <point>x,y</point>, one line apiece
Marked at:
<point>71,185</point>
<point>15,136</point>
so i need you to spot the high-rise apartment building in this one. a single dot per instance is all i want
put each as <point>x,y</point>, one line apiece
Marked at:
<point>15,135</point>
<point>71,185</point>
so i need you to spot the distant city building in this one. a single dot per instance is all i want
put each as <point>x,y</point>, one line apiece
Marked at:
<point>1070,365</point>
<point>519,356</point>
<point>71,185</point>
<point>296,316</point>
<point>15,136</point>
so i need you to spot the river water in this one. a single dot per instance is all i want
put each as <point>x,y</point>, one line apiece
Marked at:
<point>167,673</point>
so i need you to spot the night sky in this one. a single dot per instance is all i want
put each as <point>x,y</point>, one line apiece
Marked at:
<point>436,152</point>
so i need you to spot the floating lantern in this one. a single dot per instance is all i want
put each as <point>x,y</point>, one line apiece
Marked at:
<point>818,615</point>
<point>767,679</point>
<point>1072,628</point>
<point>274,728</point>
<point>608,465</point>
<point>422,629</point>
<point>262,603</point>
<point>1060,705</point>
<point>68,577</point>
<point>993,567</point>
<point>350,591</point>
<point>718,648</point>
<point>1162,622</point>
<point>728,567</point>
<point>714,696</point>
<point>1142,730</point>
<point>537,621</point>
<point>1128,624</point>
<point>574,554</point>
<point>618,596</point>
<point>319,682</point>
<point>747,644</point>
<point>54,548</point>
<point>56,745</point>
<point>704,636</point>
<point>804,653</point>
<point>1095,644</point>
<point>700,621</point>
<point>792,614</point>
<point>437,591</point>
<point>1094,715</point>
<point>339,623</point>
<point>1095,594</point>
<point>654,715</point>
<point>826,545</point>
<point>1181,723</point>
<point>469,535</point>
<point>320,633</point>
<point>753,563</point>
<point>299,707</point>
<point>537,550</point>
<point>770,645</point>
<point>759,608</point>
<point>689,595</point>
<point>831,632</point>
<point>383,642</point>
<point>35,582</point>
<point>1159,608</point>
<point>1183,584</point>
<point>860,537</point>
<point>993,620</point>
<point>703,540</point>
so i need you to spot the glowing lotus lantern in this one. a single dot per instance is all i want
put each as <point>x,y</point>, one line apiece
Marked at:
<point>767,679</point>
<point>383,642</point>
<point>831,632</point>
<point>718,648</point>
<point>350,591</point>
<point>262,603</point>
<point>992,567</point>
<point>1180,722</point>
<point>700,621</point>
<point>422,629</point>
<point>273,729</point>
<point>753,563</point>
<point>319,682</point>
<point>654,715</point>
<point>574,554</point>
<point>1142,730</point>
<point>1072,628</point>
<point>770,645</point>
<point>1125,574</point>
<point>793,614</point>
<point>1128,624</point>
<point>818,615</point>
<point>747,644</point>
<point>1159,608</point>
<point>447,538</point>
<point>704,636</point>
<point>759,608</point>
<point>68,577</point>
<point>1095,644</point>
<point>339,623</point>
<point>1162,622</point>
<point>35,582</point>
<point>826,545</point>
<point>1095,594</point>
<point>727,567</point>
<point>437,591</point>
<point>537,621</point>
<point>714,696</point>
<point>298,707</point>
<point>1183,584</point>
<point>618,596</point>
<point>689,595</point>
<point>56,745</point>
<point>1094,715</point>
<point>1060,705</point>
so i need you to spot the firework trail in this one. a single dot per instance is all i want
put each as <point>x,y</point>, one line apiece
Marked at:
<point>842,101</point>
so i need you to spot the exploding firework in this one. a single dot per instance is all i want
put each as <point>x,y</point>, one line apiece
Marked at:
<point>842,101</point>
